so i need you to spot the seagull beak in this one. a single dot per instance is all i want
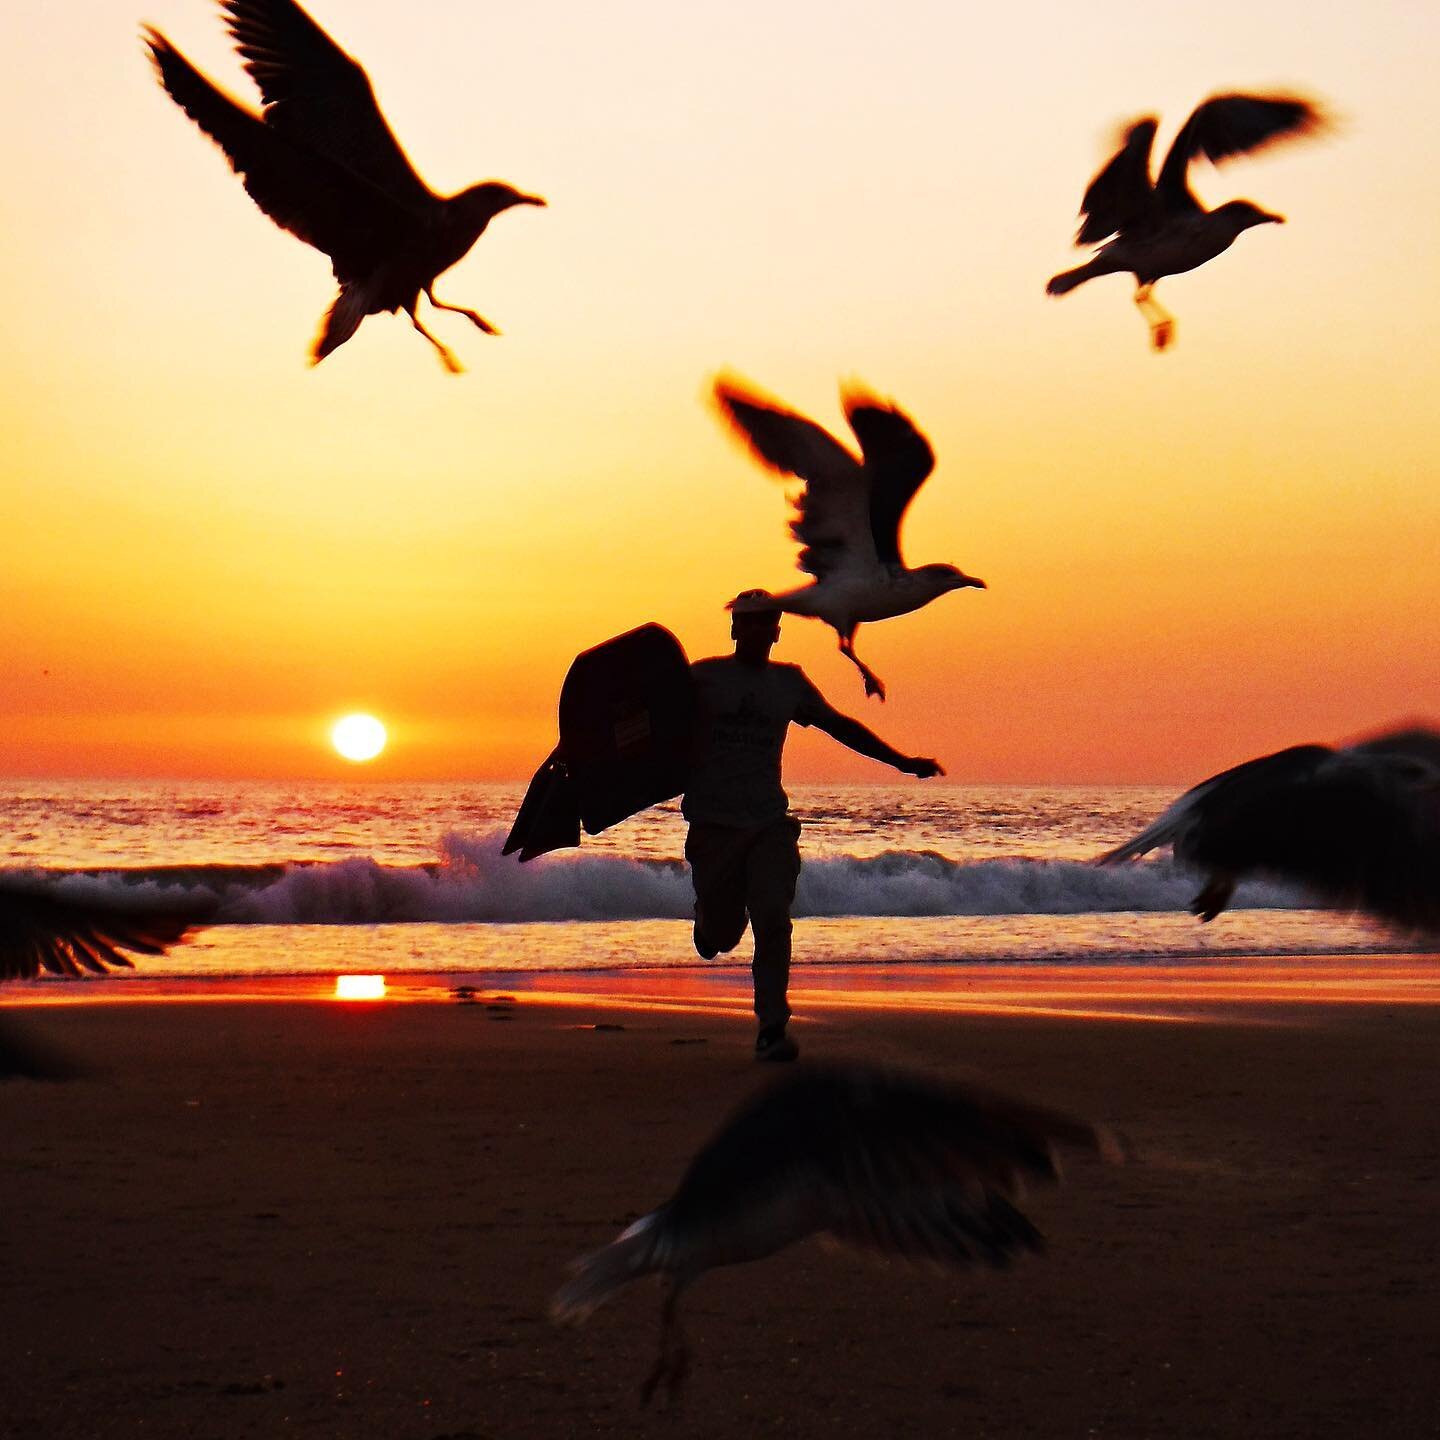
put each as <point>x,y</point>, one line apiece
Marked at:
<point>1275,219</point>
<point>970,581</point>
<point>532,200</point>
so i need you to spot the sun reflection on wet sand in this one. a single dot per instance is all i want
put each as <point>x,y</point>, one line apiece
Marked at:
<point>1233,991</point>
<point>359,987</point>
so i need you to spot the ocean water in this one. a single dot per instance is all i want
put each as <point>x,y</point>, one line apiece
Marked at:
<point>316,878</point>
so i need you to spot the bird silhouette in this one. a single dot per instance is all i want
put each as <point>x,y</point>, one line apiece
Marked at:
<point>1161,228</point>
<point>902,1165</point>
<point>847,518</point>
<point>39,930</point>
<point>322,163</point>
<point>1359,826</point>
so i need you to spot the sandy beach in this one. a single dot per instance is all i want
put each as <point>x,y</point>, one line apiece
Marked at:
<point>347,1220</point>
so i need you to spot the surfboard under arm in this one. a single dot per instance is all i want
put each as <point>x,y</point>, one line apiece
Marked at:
<point>549,815</point>
<point>626,726</point>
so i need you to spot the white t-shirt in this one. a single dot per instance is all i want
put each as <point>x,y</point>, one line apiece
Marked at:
<point>742,714</point>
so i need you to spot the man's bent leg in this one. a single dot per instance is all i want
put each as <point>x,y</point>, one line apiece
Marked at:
<point>717,869</point>
<point>772,867</point>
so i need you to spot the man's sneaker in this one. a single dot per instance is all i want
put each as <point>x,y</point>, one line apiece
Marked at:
<point>774,1045</point>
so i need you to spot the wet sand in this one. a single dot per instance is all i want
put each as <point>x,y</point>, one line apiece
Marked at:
<point>346,1220</point>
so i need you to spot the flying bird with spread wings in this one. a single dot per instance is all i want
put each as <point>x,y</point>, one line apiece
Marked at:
<point>848,516</point>
<point>1161,228</point>
<point>901,1165</point>
<point>321,162</point>
<point>1359,826</point>
<point>41,930</point>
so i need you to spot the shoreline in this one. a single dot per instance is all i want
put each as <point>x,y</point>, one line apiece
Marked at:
<point>1083,989</point>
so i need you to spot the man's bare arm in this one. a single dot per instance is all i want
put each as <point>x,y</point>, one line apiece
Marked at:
<point>864,741</point>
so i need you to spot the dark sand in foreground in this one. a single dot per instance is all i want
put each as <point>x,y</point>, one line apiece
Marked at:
<point>327,1220</point>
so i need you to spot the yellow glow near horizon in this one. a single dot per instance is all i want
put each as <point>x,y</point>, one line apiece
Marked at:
<point>359,987</point>
<point>358,737</point>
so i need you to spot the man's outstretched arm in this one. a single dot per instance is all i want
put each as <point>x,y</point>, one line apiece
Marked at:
<point>864,741</point>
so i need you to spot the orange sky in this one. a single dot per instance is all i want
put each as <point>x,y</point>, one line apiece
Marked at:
<point>211,550</point>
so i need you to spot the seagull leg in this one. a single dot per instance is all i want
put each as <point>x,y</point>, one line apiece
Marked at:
<point>874,686</point>
<point>1214,896</point>
<point>446,358</point>
<point>1159,319</point>
<point>673,1362</point>
<point>873,683</point>
<point>478,320</point>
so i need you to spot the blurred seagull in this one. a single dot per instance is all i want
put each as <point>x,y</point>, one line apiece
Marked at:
<point>40,931</point>
<point>322,163</point>
<point>1360,826</point>
<point>903,1165</point>
<point>1162,229</point>
<point>848,516</point>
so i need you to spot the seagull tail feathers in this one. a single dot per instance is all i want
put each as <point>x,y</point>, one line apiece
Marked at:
<point>1067,280</point>
<point>1163,831</point>
<point>1169,828</point>
<point>342,320</point>
<point>597,1276</point>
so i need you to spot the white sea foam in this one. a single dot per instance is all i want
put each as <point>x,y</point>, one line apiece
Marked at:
<point>474,883</point>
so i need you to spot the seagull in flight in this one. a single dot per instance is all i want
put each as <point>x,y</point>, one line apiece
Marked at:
<point>909,1167</point>
<point>847,517</point>
<point>321,162</point>
<point>1358,825</point>
<point>39,930</point>
<point>1161,228</point>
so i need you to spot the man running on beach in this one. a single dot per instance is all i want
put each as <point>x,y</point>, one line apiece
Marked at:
<point>743,846</point>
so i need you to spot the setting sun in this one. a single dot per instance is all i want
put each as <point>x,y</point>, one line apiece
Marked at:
<point>358,737</point>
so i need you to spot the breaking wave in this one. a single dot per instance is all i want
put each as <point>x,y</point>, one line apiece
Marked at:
<point>473,883</point>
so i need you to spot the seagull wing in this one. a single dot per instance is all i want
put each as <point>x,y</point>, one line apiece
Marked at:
<point>1231,792</point>
<point>320,202</point>
<point>1234,124</point>
<point>910,1166</point>
<point>1360,827</point>
<point>1121,195</point>
<point>898,459</point>
<point>832,512</point>
<point>1382,824</point>
<point>1415,742</point>
<point>316,94</point>
<point>43,932</point>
